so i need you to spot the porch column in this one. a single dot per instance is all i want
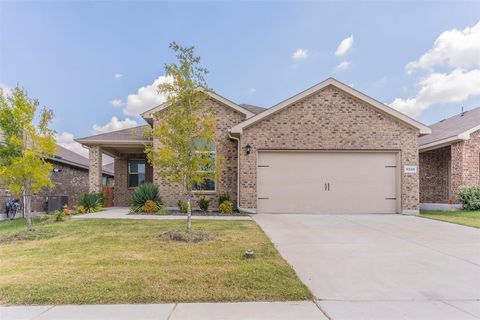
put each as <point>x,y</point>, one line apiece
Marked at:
<point>95,169</point>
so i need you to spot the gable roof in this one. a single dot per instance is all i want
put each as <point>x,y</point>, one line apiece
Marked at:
<point>147,115</point>
<point>456,128</point>
<point>331,81</point>
<point>129,135</point>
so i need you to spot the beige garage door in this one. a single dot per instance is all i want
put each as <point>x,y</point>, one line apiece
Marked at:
<point>327,182</point>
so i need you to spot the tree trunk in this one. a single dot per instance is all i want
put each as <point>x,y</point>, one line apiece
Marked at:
<point>189,215</point>
<point>27,210</point>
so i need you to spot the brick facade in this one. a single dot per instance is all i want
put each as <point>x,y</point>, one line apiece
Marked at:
<point>122,193</point>
<point>435,175</point>
<point>95,169</point>
<point>226,118</point>
<point>70,181</point>
<point>460,161</point>
<point>330,119</point>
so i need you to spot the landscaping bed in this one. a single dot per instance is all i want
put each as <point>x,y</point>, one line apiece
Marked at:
<point>135,261</point>
<point>466,218</point>
<point>197,213</point>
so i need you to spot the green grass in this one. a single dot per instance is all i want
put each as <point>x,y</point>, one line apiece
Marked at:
<point>466,218</point>
<point>124,261</point>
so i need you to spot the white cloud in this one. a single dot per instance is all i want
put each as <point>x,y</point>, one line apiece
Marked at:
<point>5,89</point>
<point>113,125</point>
<point>344,47</point>
<point>118,76</point>
<point>343,65</point>
<point>65,139</point>
<point>300,54</point>
<point>456,48</point>
<point>437,88</point>
<point>117,102</point>
<point>459,51</point>
<point>147,97</point>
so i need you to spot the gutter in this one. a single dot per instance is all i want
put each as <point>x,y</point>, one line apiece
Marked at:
<point>238,176</point>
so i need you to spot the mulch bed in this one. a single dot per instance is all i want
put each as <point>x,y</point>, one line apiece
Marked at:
<point>195,213</point>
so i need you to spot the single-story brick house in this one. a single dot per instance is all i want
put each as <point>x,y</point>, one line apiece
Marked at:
<point>449,158</point>
<point>70,177</point>
<point>328,149</point>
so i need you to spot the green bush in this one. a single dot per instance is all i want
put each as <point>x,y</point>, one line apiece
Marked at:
<point>144,193</point>
<point>91,201</point>
<point>226,207</point>
<point>182,206</point>
<point>58,216</point>
<point>222,198</point>
<point>203,204</point>
<point>470,197</point>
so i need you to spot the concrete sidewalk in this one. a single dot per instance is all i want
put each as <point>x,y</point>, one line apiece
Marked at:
<point>122,213</point>
<point>194,311</point>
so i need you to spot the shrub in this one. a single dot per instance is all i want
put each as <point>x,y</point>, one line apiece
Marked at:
<point>182,206</point>
<point>91,201</point>
<point>470,197</point>
<point>226,207</point>
<point>150,206</point>
<point>80,209</point>
<point>142,194</point>
<point>222,198</point>
<point>66,211</point>
<point>203,204</point>
<point>58,216</point>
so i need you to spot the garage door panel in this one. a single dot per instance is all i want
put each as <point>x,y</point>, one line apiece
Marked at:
<point>327,182</point>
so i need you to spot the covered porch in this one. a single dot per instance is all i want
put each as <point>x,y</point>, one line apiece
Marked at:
<point>131,168</point>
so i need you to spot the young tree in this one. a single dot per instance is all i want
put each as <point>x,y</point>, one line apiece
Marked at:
<point>184,131</point>
<point>25,147</point>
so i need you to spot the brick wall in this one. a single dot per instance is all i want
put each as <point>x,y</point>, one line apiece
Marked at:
<point>95,169</point>
<point>330,119</point>
<point>71,182</point>
<point>122,193</point>
<point>471,160</point>
<point>434,175</point>
<point>226,118</point>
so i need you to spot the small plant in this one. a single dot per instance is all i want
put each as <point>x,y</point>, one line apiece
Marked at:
<point>150,206</point>
<point>58,216</point>
<point>91,201</point>
<point>203,204</point>
<point>226,207</point>
<point>222,198</point>
<point>66,211</point>
<point>80,209</point>
<point>470,197</point>
<point>182,206</point>
<point>144,193</point>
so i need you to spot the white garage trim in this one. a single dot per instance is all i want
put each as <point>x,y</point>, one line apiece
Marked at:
<point>345,174</point>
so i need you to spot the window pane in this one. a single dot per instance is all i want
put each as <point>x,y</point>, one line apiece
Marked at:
<point>132,180</point>
<point>206,185</point>
<point>141,178</point>
<point>141,167</point>
<point>132,166</point>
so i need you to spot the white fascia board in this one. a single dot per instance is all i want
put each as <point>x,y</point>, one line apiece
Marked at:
<point>331,81</point>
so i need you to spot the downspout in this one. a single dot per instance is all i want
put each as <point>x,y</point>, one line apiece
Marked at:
<point>238,176</point>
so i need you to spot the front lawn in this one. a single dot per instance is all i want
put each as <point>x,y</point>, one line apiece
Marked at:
<point>466,218</point>
<point>124,261</point>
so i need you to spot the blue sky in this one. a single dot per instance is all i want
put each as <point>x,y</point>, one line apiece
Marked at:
<point>67,54</point>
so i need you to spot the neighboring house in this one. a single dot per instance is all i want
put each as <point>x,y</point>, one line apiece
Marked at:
<point>328,149</point>
<point>70,177</point>
<point>450,158</point>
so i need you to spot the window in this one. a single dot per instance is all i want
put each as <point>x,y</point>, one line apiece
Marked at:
<point>136,173</point>
<point>208,184</point>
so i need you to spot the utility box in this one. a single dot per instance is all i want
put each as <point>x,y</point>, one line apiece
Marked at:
<point>55,203</point>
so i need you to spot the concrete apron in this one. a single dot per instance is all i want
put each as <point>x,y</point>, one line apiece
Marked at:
<point>382,266</point>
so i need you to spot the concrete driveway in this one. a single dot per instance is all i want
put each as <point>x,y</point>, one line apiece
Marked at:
<point>382,266</point>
